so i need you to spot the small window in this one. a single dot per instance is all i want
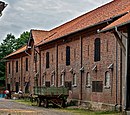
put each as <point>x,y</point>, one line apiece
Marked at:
<point>97,50</point>
<point>74,79</point>
<point>74,53</point>
<point>107,46</point>
<point>97,86</point>
<point>107,80</point>
<point>88,50</point>
<point>47,60</point>
<point>16,66</point>
<point>52,80</point>
<point>62,79</point>
<point>26,64</point>
<point>88,80</point>
<point>9,68</point>
<point>67,55</point>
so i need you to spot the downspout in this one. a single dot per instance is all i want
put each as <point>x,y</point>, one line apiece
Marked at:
<point>56,65</point>
<point>116,75</point>
<point>39,53</point>
<point>81,72</point>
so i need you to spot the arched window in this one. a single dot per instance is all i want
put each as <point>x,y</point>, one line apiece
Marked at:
<point>107,79</point>
<point>74,80</point>
<point>52,79</point>
<point>62,79</point>
<point>97,50</point>
<point>67,55</point>
<point>47,60</point>
<point>9,68</point>
<point>26,64</point>
<point>16,66</point>
<point>88,80</point>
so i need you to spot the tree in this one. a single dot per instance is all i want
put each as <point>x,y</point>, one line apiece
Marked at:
<point>22,40</point>
<point>10,44</point>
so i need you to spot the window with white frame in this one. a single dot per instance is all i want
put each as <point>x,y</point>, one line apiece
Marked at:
<point>107,79</point>
<point>52,79</point>
<point>43,80</point>
<point>88,80</point>
<point>74,79</point>
<point>62,79</point>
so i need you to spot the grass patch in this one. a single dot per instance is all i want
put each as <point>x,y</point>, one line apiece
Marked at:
<point>76,111</point>
<point>22,101</point>
<point>87,112</point>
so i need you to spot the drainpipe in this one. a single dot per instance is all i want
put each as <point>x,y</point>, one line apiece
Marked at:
<point>56,65</point>
<point>116,75</point>
<point>39,53</point>
<point>81,72</point>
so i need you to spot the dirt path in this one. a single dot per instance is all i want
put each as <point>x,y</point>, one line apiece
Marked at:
<point>9,107</point>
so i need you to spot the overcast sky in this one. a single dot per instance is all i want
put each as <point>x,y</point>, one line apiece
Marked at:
<point>23,15</point>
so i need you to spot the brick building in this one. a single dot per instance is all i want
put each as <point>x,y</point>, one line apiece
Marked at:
<point>76,55</point>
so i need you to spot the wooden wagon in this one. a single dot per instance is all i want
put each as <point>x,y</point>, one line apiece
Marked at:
<point>54,95</point>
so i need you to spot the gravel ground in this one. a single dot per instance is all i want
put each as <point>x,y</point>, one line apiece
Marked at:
<point>9,107</point>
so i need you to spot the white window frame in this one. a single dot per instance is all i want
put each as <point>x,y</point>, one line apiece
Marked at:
<point>88,80</point>
<point>107,80</point>
<point>43,80</point>
<point>52,80</point>
<point>62,79</point>
<point>74,80</point>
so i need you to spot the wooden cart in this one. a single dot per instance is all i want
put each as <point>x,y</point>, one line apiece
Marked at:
<point>55,95</point>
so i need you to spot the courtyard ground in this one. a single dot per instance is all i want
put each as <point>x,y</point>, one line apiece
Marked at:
<point>22,107</point>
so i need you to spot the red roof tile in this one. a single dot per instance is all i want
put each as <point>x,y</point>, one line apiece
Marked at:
<point>38,35</point>
<point>93,17</point>
<point>120,22</point>
<point>20,50</point>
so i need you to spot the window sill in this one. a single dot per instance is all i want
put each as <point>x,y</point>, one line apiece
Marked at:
<point>106,87</point>
<point>74,85</point>
<point>52,85</point>
<point>88,86</point>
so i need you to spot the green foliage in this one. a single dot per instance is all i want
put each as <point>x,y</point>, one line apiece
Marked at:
<point>10,44</point>
<point>22,40</point>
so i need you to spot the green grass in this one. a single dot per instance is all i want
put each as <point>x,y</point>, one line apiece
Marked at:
<point>87,112</point>
<point>76,111</point>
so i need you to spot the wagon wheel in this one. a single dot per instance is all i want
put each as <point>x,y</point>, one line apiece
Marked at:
<point>45,103</point>
<point>38,102</point>
<point>62,103</point>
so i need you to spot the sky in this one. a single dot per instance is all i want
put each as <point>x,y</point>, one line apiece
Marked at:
<point>24,15</point>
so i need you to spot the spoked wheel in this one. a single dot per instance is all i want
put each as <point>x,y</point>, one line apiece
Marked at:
<point>45,103</point>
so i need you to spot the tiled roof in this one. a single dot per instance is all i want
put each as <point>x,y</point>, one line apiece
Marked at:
<point>105,12</point>
<point>20,50</point>
<point>38,35</point>
<point>93,17</point>
<point>120,22</point>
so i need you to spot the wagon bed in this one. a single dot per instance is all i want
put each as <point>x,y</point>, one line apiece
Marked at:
<point>55,95</point>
